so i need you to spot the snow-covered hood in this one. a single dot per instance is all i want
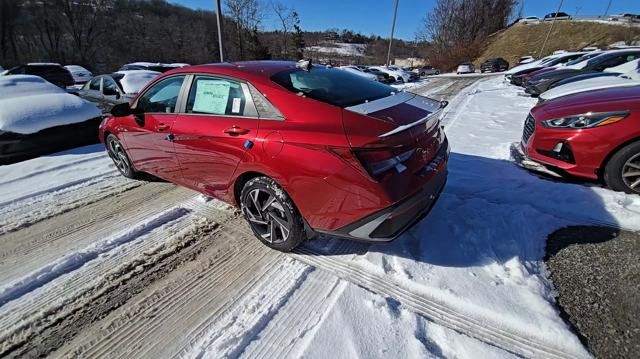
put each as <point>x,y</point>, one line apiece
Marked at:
<point>29,104</point>
<point>588,85</point>
<point>536,63</point>
<point>626,67</point>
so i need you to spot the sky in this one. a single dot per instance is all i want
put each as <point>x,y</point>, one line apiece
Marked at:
<point>374,16</point>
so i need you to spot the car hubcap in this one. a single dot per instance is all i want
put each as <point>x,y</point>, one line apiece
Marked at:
<point>267,216</point>
<point>116,152</point>
<point>631,173</point>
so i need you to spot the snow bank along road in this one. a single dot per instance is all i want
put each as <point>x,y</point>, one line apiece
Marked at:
<point>94,265</point>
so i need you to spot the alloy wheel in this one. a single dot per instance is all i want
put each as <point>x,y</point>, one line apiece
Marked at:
<point>117,154</point>
<point>267,216</point>
<point>631,172</point>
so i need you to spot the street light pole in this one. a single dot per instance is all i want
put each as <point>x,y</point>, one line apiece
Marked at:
<point>219,20</point>
<point>606,11</point>
<point>393,27</point>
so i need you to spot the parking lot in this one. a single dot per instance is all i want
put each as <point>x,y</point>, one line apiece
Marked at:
<point>118,267</point>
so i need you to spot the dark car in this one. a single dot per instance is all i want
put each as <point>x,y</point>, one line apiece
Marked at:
<point>519,77</point>
<point>541,83</point>
<point>494,65</point>
<point>106,91</point>
<point>54,73</point>
<point>299,148</point>
<point>557,16</point>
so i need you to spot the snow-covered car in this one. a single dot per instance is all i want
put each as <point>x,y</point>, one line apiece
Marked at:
<point>106,91</point>
<point>80,74</point>
<point>530,20</point>
<point>382,76</point>
<point>395,74</point>
<point>465,68</point>
<point>37,117</point>
<point>152,66</point>
<point>412,75</point>
<point>356,71</point>
<point>631,78</point>
<point>525,60</point>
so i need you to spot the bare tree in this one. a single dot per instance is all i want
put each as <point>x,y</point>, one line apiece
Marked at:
<point>247,15</point>
<point>460,27</point>
<point>83,20</point>
<point>286,18</point>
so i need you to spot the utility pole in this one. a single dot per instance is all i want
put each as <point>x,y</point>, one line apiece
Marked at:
<point>393,27</point>
<point>606,11</point>
<point>219,20</point>
<point>550,29</point>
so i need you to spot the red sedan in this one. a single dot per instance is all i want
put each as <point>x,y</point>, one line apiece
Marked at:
<point>300,148</point>
<point>594,135</point>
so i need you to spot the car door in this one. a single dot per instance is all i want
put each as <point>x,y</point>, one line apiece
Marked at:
<point>219,124</point>
<point>148,137</point>
<point>92,92</point>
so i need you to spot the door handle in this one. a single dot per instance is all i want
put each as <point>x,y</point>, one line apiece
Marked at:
<point>235,131</point>
<point>162,127</point>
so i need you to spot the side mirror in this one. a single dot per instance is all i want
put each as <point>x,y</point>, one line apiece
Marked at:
<point>121,110</point>
<point>444,104</point>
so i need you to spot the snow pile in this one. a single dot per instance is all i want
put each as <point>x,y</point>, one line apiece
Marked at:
<point>29,104</point>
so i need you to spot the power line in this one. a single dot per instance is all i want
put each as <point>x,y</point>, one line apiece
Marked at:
<point>550,29</point>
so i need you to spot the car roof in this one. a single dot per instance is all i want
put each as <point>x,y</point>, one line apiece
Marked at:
<point>252,71</point>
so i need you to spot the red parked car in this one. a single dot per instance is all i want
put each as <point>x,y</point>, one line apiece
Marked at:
<point>594,135</point>
<point>299,148</point>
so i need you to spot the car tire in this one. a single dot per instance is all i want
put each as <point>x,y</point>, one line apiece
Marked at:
<point>272,215</point>
<point>619,173</point>
<point>120,158</point>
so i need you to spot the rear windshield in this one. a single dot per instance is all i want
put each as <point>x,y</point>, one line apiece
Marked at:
<point>335,87</point>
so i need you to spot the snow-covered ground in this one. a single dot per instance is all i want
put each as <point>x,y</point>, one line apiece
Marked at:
<point>467,282</point>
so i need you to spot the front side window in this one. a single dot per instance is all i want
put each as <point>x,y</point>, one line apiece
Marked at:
<point>161,97</point>
<point>216,96</point>
<point>335,87</point>
<point>95,84</point>
<point>109,87</point>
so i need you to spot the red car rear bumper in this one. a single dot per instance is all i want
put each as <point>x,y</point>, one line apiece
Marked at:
<point>391,222</point>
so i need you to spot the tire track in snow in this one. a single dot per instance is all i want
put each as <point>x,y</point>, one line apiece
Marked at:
<point>433,309</point>
<point>158,321</point>
<point>50,316</point>
<point>22,213</point>
<point>25,250</point>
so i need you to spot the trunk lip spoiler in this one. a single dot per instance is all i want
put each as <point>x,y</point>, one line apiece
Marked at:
<point>403,128</point>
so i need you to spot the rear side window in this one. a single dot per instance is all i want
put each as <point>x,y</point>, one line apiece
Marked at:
<point>216,96</point>
<point>335,87</point>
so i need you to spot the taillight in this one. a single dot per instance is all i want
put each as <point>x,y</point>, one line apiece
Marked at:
<point>379,161</point>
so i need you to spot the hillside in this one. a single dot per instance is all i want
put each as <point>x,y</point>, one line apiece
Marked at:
<point>520,40</point>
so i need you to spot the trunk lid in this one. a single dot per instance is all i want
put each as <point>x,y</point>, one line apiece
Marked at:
<point>398,140</point>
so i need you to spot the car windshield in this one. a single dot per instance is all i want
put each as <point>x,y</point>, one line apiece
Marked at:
<point>339,88</point>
